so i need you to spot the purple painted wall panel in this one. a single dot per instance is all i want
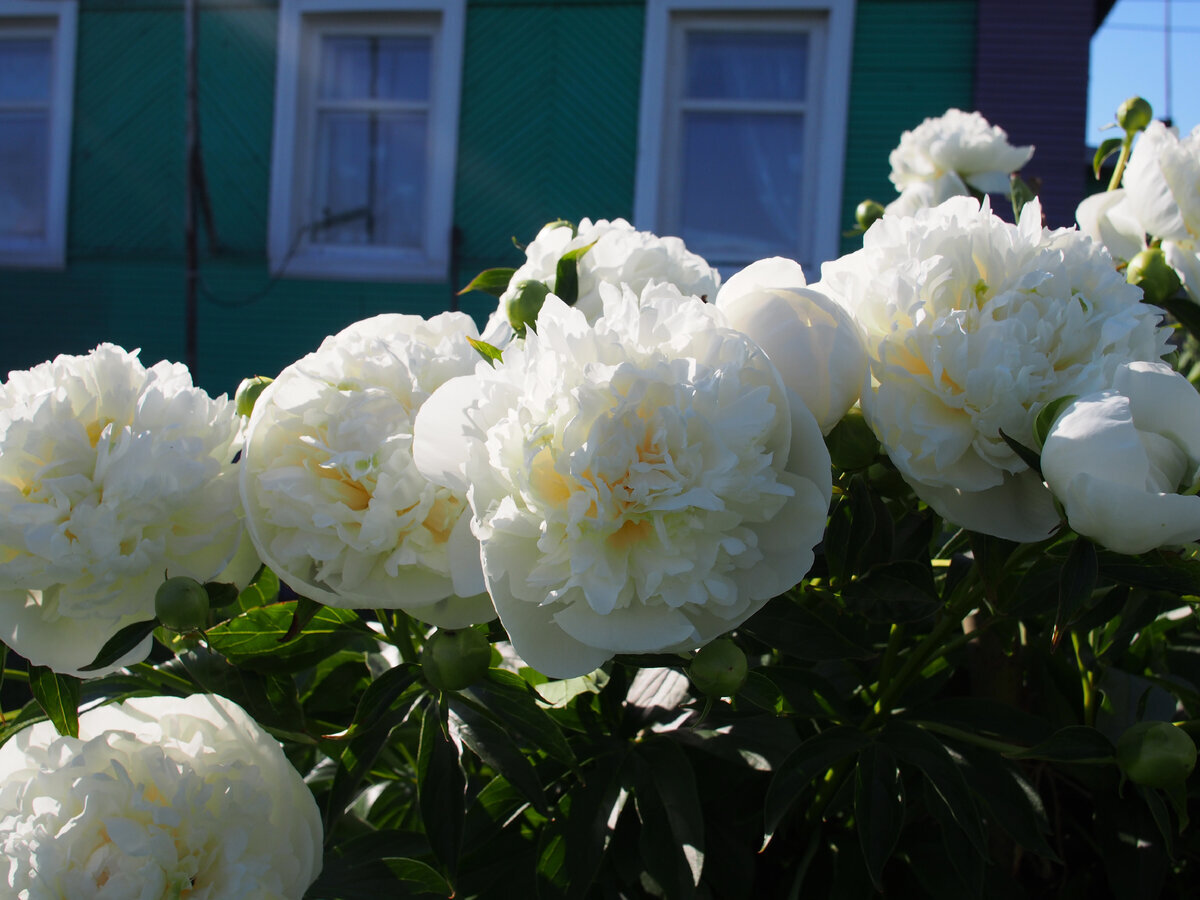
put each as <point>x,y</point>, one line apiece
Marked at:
<point>1031,75</point>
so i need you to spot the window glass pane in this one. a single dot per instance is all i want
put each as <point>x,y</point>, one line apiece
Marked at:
<point>371,68</point>
<point>24,149</point>
<point>757,160</point>
<point>370,182</point>
<point>746,65</point>
<point>24,70</point>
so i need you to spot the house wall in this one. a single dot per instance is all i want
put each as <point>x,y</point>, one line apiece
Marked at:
<point>548,129</point>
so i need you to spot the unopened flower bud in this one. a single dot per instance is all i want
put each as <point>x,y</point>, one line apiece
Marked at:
<point>247,394</point>
<point>719,669</point>
<point>455,659</point>
<point>867,212</point>
<point>523,306</point>
<point>1150,271</point>
<point>1156,754</point>
<point>1134,115</point>
<point>181,604</point>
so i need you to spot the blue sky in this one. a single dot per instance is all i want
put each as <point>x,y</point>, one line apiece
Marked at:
<point>1128,57</point>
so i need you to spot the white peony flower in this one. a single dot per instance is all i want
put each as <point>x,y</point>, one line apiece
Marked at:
<point>637,485</point>
<point>813,342</point>
<point>619,255</point>
<point>1125,462</point>
<point>972,326</point>
<point>109,474</point>
<point>333,502</point>
<point>946,156</point>
<point>158,797</point>
<point>1160,197</point>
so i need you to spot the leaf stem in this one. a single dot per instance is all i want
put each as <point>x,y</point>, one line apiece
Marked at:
<point>1087,679</point>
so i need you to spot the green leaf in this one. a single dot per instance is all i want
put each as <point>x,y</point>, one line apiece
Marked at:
<point>121,643</point>
<point>803,766</point>
<point>221,594</point>
<point>756,742</point>
<point>378,864</point>
<point>1048,415</point>
<point>1013,802</point>
<point>1157,571</point>
<point>899,592</point>
<point>514,703</point>
<point>270,698</point>
<point>566,278</point>
<point>852,444</point>
<point>1106,149</point>
<point>258,638</point>
<point>878,807</point>
<point>490,281</point>
<point>492,744</point>
<point>966,859</point>
<point>672,835</point>
<point>58,696</point>
<point>262,589</point>
<point>984,717</point>
<point>1073,744</point>
<point>1028,455</point>
<point>800,632</point>
<point>492,354</point>
<point>441,790</point>
<point>1184,309</point>
<point>1162,818</point>
<point>596,803</point>
<point>930,756</point>
<point>1080,573</point>
<point>1021,193</point>
<point>377,700</point>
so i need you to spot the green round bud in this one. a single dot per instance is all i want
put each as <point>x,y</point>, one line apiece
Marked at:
<point>1156,754</point>
<point>247,394</point>
<point>181,604</point>
<point>453,659</point>
<point>1134,115</point>
<point>867,212</point>
<point>1150,271</point>
<point>523,306</point>
<point>718,669</point>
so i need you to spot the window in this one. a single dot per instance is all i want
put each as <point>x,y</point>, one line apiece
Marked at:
<point>37,71</point>
<point>366,124</point>
<point>743,124</point>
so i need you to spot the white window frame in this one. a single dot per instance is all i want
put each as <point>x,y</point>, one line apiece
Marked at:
<point>830,24</point>
<point>56,19</point>
<point>301,22</point>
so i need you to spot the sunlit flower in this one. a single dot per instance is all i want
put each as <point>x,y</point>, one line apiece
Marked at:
<point>333,501</point>
<point>1160,198</point>
<point>813,342</point>
<point>158,797</point>
<point>957,143</point>
<point>972,326</point>
<point>1125,462</point>
<point>637,484</point>
<point>110,473</point>
<point>618,254</point>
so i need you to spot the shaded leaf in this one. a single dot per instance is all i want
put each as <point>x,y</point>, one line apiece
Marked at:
<point>1048,415</point>
<point>800,632</point>
<point>1028,455</point>
<point>441,790</point>
<point>803,766</point>
<point>221,594</point>
<point>121,643</point>
<point>515,703</point>
<point>381,693</point>
<point>1011,800</point>
<point>566,278</point>
<point>1073,744</point>
<point>596,804</point>
<point>1186,310</point>
<point>58,696</point>
<point>1080,573</point>
<point>878,807</point>
<point>898,592</point>
<point>672,835</point>
<point>492,744</point>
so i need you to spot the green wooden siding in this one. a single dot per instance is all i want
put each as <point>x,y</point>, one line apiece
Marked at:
<point>911,60</point>
<point>548,128</point>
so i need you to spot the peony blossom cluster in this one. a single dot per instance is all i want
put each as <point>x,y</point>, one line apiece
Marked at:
<point>637,483</point>
<point>973,325</point>
<point>158,797</point>
<point>1159,198</point>
<point>110,473</point>
<point>949,156</point>
<point>334,504</point>
<point>616,254</point>
<point>1125,462</point>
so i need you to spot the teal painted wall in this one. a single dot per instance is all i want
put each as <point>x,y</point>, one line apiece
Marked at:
<point>911,60</point>
<point>548,128</point>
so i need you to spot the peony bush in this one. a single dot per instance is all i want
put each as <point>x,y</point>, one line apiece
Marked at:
<point>662,585</point>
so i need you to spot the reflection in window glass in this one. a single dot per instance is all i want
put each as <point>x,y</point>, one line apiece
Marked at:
<point>372,136</point>
<point>746,66</point>
<point>24,136</point>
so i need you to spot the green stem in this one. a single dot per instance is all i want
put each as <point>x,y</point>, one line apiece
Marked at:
<point>397,636</point>
<point>970,737</point>
<point>1087,679</point>
<point>1122,159</point>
